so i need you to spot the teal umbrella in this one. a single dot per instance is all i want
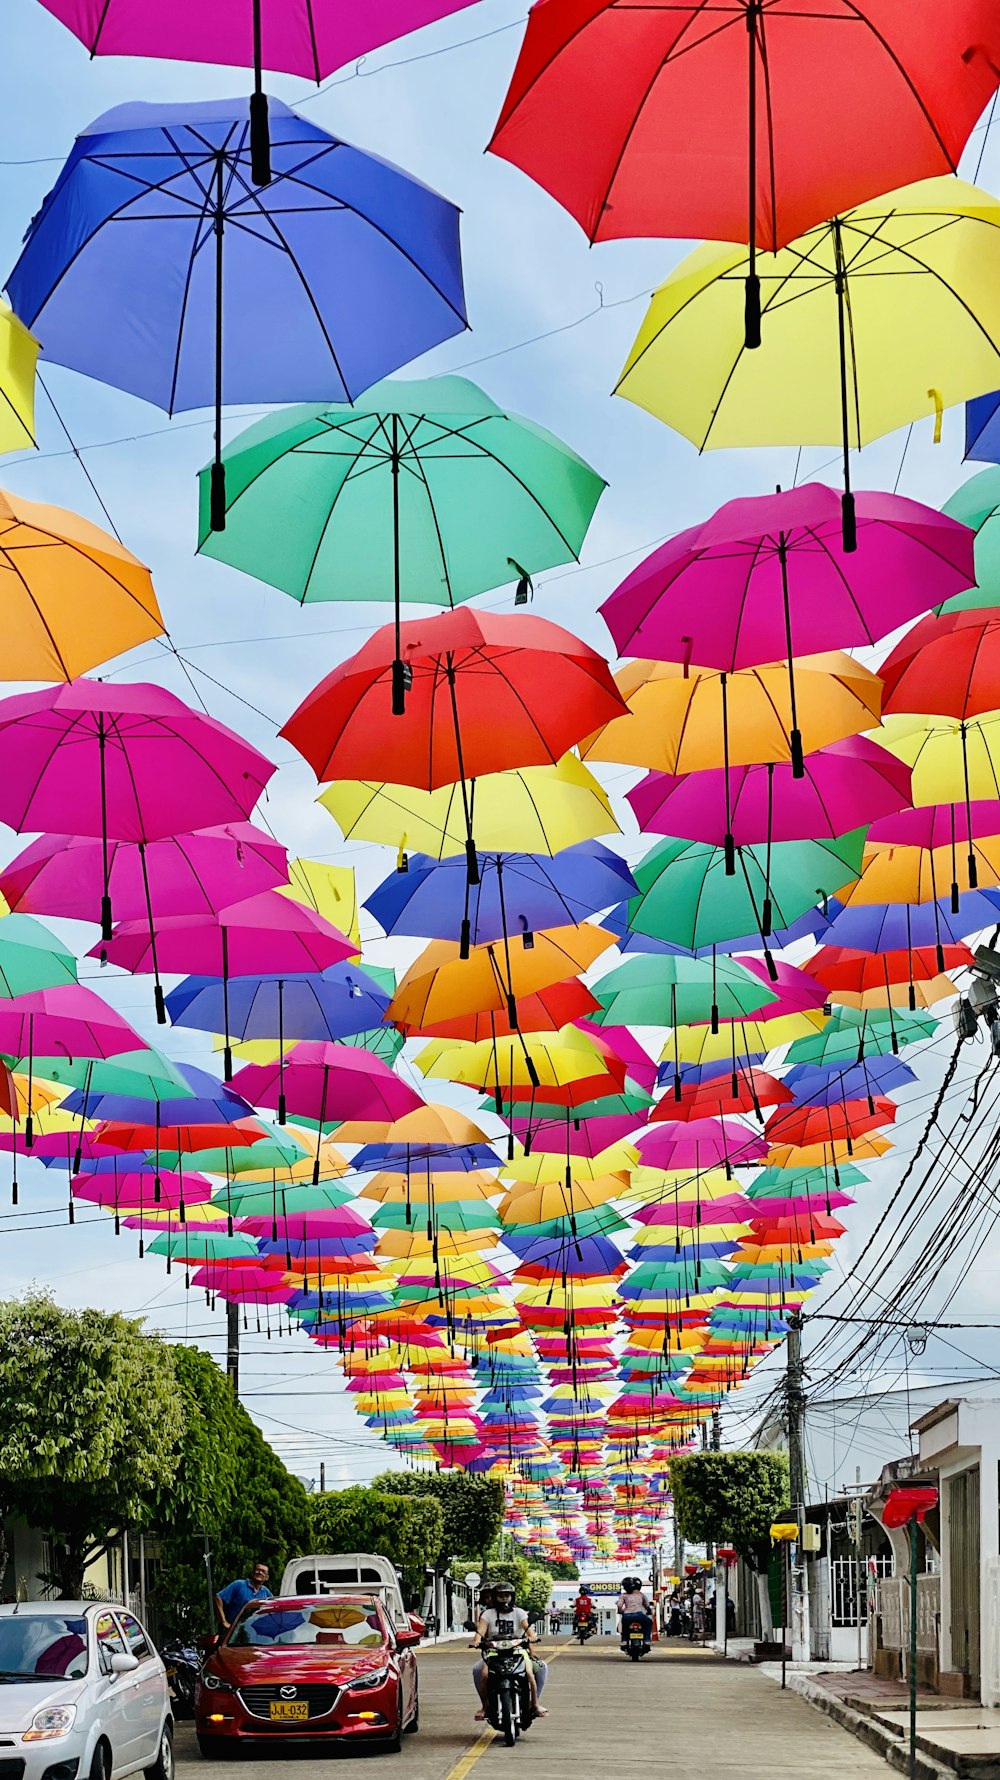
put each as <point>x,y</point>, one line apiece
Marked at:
<point>977,504</point>
<point>142,1075</point>
<point>851,1033</point>
<point>663,989</point>
<point>687,897</point>
<point>31,957</point>
<point>462,1215</point>
<point>418,491</point>
<point>257,1200</point>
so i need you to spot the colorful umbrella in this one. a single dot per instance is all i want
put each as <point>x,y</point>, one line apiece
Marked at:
<point>442,985</point>
<point>343,270</point>
<point>975,503</point>
<point>327,1083</point>
<point>340,1002</point>
<point>664,991</point>
<point>18,354</point>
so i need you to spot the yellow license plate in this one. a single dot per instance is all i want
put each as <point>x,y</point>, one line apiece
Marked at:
<point>286,1711</point>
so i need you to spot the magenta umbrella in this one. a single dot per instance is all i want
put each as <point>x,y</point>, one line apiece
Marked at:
<point>328,1083</point>
<point>128,1188</point>
<point>128,762</point>
<point>701,1144</point>
<point>300,1225</point>
<point>841,787</point>
<point>794,991</point>
<point>767,578</point>
<point>626,1048</point>
<point>307,37</point>
<point>266,932</point>
<point>243,1284</point>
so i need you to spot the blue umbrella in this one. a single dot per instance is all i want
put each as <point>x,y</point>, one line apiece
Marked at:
<point>401,1158</point>
<point>814,1085</point>
<point>328,1005</point>
<point>982,429</point>
<point>517,893</point>
<point>339,272</point>
<point>211,1103</point>
<point>895,927</point>
<point>691,1074</point>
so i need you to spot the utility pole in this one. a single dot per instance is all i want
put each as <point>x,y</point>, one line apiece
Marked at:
<point>716,1430</point>
<point>322,1477</point>
<point>796,1404</point>
<point>233,1346</point>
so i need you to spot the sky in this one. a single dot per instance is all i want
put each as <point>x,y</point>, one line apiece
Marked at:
<point>551,323</point>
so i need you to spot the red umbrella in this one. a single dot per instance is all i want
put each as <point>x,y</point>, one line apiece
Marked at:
<point>754,1088</point>
<point>743,120</point>
<point>839,968</point>
<point>803,1125</point>
<point>485,693</point>
<point>947,666</point>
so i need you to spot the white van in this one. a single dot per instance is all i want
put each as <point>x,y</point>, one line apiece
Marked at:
<point>350,1573</point>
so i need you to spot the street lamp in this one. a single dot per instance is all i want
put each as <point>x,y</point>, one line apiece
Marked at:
<point>907,1507</point>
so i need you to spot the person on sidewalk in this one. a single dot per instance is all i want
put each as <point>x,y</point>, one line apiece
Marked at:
<point>233,1598</point>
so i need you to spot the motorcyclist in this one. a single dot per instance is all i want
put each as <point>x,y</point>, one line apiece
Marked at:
<point>583,1606</point>
<point>505,1619</point>
<point>634,1603</point>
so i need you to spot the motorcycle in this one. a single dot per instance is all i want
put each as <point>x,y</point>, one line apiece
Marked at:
<point>635,1639</point>
<point>183,1666</point>
<point>584,1628</point>
<point>509,1709</point>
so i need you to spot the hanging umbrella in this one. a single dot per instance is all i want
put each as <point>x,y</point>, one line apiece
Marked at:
<point>540,809</point>
<point>685,719</point>
<point>863,979</point>
<point>704,1143</point>
<point>767,577</point>
<point>813,111</point>
<point>147,1073</point>
<point>558,1060</point>
<point>71,596</point>
<point>849,783</point>
<point>976,504</point>
<point>948,665</point>
<point>18,355</point>
<point>819,1086</point>
<point>31,957</point>
<point>888,926</point>
<point>465,496</point>
<point>715,1099</point>
<point>307,37</point>
<point>804,1125</point>
<point>912,856</point>
<point>339,1002</point>
<point>687,896</point>
<point>664,991</point>
<point>545,1010</point>
<point>851,1034</point>
<point>328,1083</point>
<point>441,985</point>
<point>155,266</point>
<point>834,367</point>
<point>69,1019</point>
<point>129,762</point>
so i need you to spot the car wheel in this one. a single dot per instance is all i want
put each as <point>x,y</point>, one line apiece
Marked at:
<point>100,1762</point>
<point>414,1724</point>
<point>163,1766</point>
<point>393,1745</point>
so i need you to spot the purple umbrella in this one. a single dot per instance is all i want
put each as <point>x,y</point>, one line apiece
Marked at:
<point>767,578</point>
<point>896,927</point>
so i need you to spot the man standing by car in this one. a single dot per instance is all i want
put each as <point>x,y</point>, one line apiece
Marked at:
<point>235,1595</point>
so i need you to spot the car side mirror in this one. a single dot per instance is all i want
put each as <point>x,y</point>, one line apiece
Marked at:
<point>123,1662</point>
<point>416,1624</point>
<point>406,1640</point>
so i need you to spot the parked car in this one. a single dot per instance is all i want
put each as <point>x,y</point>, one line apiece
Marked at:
<point>83,1694</point>
<point>309,1668</point>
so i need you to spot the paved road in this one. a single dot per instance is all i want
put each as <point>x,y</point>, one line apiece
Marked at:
<point>682,1711</point>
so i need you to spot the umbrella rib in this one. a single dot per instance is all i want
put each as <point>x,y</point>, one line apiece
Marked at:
<point>328,521</point>
<point>430,502</point>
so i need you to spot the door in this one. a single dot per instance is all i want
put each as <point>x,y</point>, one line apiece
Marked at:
<point>963,1573</point>
<point>149,1690</point>
<point>114,1693</point>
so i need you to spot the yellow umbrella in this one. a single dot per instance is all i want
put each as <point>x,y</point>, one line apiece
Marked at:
<point>659,1186</point>
<point>940,750</point>
<point>442,985</point>
<point>904,994</point>
<point>437,1189</point>
<point>814,1155</point>
<point>71,596</point>
<point>18,353</point>
<point>404,1246</point>
<point>332,1163</point>
<point>331,890</point>
<point>527,1204</point>
<point>679,718</point>
<point>742,1038</point>
<point>538,1167</point>
<point>920,874</point>
<point>539,809</point>
<point>555,1059</point>
<point>875,318</point>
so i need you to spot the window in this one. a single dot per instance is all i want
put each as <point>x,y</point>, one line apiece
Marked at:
<point>48,1646</point>
<point>342,1622</point>
<point>135,1637</point>
<point>109,1640</point>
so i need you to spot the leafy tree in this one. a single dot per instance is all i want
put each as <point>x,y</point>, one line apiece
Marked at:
<point>473,1507</point>
<point>89,1424</point>
<point>228,1485</point>
<point>495,1569</point>
<point>405,1529</point>
<point>732,1498</point>
<point>538,1592</point>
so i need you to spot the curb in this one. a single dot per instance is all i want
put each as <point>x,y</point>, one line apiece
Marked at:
<point>894,1749</point>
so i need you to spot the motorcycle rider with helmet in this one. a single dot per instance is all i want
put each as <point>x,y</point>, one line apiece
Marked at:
<point>634,1603</point>
<point>583,1607</point>
<point>506,1620</point>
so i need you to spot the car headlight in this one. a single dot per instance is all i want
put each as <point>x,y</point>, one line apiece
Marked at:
<point>51,1721</point>
<point>215,1683</point>
<point>375,1679</point>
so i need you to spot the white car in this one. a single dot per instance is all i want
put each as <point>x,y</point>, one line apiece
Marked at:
<point>83,1694</point>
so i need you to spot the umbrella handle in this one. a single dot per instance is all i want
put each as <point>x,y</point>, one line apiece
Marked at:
<point>260,139</point>
<point>751,289</point>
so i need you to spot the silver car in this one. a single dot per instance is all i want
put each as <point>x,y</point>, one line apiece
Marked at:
<point>83,1694</point>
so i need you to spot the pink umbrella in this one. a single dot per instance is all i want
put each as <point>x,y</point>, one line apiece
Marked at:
<point>938,825</point>
<point>734,1208</point>
<point>301,1225</point>
<point>129,762</point>
<point>627,1049</point>
<point>767,578</point>
<point>794,990</point>
<point>70,1021</point>
<point>843,786</point>
<point>183,874</point>
<point>328,1083</point>
<point>245,1283</point>
<point>266,932</point>
<point>128,1189</point>
<point>701,1144</point>
<point>307,37</point>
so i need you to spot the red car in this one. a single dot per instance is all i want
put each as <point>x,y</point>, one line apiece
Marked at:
<point>308,1668</point>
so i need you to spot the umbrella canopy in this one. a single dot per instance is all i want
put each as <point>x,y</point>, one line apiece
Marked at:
<point>538,809</point>
<point>850,1034</point>
<point>888,926</point>
<point>146,1073</point>
<point>334,1004</point>
<point>849,972</point>
<point>328,1083</point>
<point>668,991</point>
<point>545,1010</point>
<point>155,266</point>
<point>31,957</point>
<point>266,929</point>
<point>872,1076</point>
<point>704,1143</point>
<point>947,665</point>
<point>442,985</point>
<point>71,1019</point>
<point>804,1125</point>
<point>817,379</point>
<point>840,787</point>
<point>71,596</point>
<point>18,355</point>
<point>976,504</point>
<point>515,893</point>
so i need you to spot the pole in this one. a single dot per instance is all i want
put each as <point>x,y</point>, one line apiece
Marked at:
<point>322,1476</point>
<point>233,1346</point>
<point>207,1559</point>
<point>797,1480</point>
<point>861,1590</point>
<point>913,1648</point>
<point>784,1609</point>
<point>716,1430</point>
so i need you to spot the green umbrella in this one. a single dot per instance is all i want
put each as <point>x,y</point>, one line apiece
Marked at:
<point>422,491</point>
<point>686,897</point>
<point>455,1214</point>
<point>257,1201</point>
<point>194,1245</point>
<point>977,503</point>
<point>656,989</point>
<point>852,1033</point>
<point>143,1075</point>
<point>31,957</point>
<point>608,1106</point>
<point>597,1220</point>
<point>794,1183</point>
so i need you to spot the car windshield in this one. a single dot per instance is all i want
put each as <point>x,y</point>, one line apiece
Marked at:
<point>339,1622</point>
<point>42,1647</point>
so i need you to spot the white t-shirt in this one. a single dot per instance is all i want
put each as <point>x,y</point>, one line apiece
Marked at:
<point>511,1624</point>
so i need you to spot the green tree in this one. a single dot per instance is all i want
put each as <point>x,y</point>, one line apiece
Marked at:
<point>405,1529</point>
<point>732,1498</point>
<point>229,1486</point>
<point>537,1593</point>
<point>473,1507</point>
<point>89,1423</point>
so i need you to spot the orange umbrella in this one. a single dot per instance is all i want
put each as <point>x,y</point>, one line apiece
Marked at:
<point>441,985</point>
<point>71,596</point>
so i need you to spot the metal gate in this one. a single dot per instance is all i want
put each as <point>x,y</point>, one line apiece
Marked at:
<point>963,1555</point>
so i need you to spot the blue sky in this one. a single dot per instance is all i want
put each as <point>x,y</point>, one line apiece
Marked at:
<point>552,320</point>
